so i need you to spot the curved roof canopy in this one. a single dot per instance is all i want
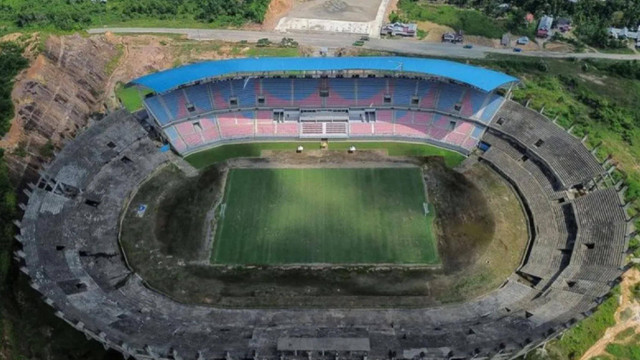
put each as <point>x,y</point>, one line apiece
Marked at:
<point>481,78</point>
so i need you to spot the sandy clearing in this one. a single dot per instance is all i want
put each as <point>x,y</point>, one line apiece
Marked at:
<point>629,279</point>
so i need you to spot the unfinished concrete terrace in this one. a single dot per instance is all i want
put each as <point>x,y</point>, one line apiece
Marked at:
<point>345,10</point>
<point>344,16</point>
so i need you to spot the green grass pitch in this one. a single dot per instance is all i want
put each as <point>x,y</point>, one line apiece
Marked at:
<point>337,216</point>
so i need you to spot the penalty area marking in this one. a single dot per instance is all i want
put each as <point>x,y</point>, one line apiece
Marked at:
<point>223,208</point>
<point>425,206</point>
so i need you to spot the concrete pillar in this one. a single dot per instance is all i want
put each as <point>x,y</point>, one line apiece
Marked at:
<point>633,234</point>
<point>626,206</point>
<point>19,238</point>
<point>571,129</point>
<point>527,103</point>
<point>634,218</point>
<point>611,169</point>
<point>201,357</point>
<point>26,192</point>
<point>33,284</point>
<point>227,356</point>
<point>555,119</point>
<point>584,138</point>
<point>16,223</point>
<point>607,161</point>
<point>623,190</point>
<point>175,355</point>
<point>542,110</point>
<point>600,180</point>
<point>126,348</point>
<point>22,206</point>
<point>31,185</point>
<point>618,184</point>
<point>151,352</point>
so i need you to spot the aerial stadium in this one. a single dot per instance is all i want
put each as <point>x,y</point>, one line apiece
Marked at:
<point>330,208</point>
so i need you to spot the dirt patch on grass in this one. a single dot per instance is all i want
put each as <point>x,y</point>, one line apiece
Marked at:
<point>593,78</point>
<point>559,47</point>
<point>478,237</point>
<point>625,325</point>
<point>464,223</point>
<point>481,40</point>
<point>434,31</point>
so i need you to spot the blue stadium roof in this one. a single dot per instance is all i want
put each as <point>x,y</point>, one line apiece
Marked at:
<point>481,78</point>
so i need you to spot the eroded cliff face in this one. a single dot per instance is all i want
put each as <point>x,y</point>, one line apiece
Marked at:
<point>54,99</point>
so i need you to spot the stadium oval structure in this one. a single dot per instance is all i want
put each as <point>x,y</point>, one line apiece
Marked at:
<point>578,228</point>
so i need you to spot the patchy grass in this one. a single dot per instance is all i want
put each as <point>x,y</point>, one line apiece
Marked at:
<point>210,156</point>
<point>131,97</point>
<point>581,337</point>
<point>472,22</point>
<point>590,97</point>
<point>625,334</point>
<point>113,63</point>
<point>273,52</point>
<point>624,351</point>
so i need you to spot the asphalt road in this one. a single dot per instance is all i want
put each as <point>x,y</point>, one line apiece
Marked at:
<point>405,46</point>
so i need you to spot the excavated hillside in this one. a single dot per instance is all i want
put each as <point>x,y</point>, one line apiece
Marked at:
<point>73,78</point>
<point>54,98</point>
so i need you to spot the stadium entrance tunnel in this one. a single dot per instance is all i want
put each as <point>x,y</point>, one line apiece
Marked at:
<point>473,217</point>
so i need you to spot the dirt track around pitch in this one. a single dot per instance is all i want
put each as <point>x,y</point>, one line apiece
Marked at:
<point>481,233</point>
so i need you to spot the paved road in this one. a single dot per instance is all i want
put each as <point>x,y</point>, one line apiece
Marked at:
<point>408,46</point>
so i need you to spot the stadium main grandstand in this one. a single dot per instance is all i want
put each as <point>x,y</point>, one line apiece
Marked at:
<point>578,229</point>
<point>205,104</point>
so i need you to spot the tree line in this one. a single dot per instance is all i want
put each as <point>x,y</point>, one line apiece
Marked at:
<point>78,14</point>
<point>591,18</point>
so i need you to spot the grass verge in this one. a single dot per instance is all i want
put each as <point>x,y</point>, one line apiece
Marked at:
<point>131,97</point>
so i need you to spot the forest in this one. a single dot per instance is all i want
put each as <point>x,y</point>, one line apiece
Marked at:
<point>68,15</point>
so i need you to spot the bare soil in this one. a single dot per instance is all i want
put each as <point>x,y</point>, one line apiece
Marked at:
<point>474,241</point>
<point>276,11</point>
<point>627,304</point>
<point>434,31</point>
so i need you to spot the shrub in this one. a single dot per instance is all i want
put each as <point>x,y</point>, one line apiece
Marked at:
<point>471,22</point>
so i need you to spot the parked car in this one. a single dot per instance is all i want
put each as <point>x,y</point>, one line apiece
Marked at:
<point>468,46</point>
<point>517,50</point>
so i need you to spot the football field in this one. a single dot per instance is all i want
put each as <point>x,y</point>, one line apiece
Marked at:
<point>314,216</point>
